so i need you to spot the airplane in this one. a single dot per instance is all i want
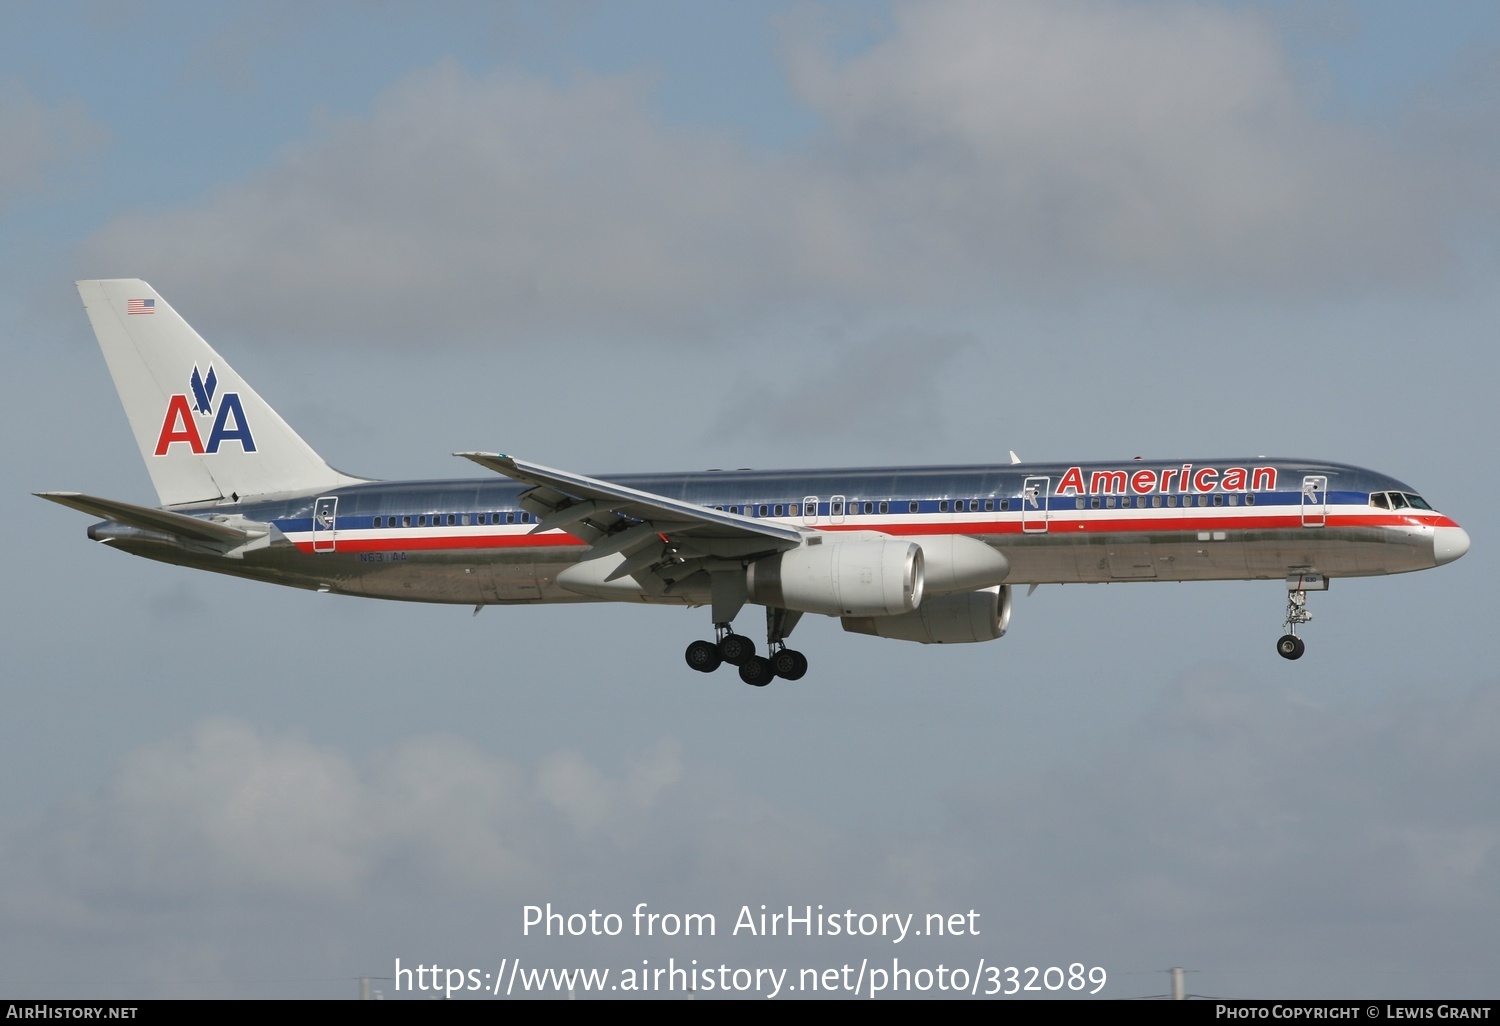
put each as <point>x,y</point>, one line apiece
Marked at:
<point>919,554</point>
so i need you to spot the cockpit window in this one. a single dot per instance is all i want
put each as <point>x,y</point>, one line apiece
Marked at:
<point>1417,502</point>
<point>1380,501</point>
<point>1398,501</point>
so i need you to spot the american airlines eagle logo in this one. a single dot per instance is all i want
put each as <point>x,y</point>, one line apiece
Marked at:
<point>181,423</point>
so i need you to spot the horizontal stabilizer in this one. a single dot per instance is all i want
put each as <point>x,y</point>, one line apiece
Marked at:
<point>148,519</point>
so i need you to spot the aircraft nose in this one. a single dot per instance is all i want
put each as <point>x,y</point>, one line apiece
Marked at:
<point>1448,543</point>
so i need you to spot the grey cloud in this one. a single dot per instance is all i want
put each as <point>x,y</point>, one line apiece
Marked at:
<point>886,392</point>
<point>1051,143</point>
<point>38,136</point>
<point>979,151</point>
<point>1270,829</point>
<point>225,806</point>
<point>480,208</point>
<point>1256,823</point>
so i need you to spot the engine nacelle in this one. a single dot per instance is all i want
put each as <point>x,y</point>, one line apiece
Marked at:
<point>958,563</point>
<point>841,578</point>
<point>944,620</point>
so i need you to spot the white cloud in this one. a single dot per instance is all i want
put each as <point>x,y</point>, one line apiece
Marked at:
<point>224,806</point>
<point>1165,143</point>
<point>484,208</point>
<point>979,151</point>
<point>1265,829</point>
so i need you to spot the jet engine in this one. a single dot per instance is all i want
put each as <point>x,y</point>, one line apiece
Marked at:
<point>945,620</point>
<point>841,578</point>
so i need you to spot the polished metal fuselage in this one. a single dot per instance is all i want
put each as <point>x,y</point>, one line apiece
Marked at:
<point>472,541</point>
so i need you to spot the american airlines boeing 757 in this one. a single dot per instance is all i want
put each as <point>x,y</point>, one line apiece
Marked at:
<point>924,554</point>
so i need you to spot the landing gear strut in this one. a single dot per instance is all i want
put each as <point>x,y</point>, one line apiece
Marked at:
<point>738,650</point>
<point>1289,646</point>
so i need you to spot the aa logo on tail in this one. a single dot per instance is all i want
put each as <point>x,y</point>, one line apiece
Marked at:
<point>181,425</point>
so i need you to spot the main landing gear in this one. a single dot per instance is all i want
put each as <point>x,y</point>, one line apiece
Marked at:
<point>1289,646</point>
<point>738,650</point>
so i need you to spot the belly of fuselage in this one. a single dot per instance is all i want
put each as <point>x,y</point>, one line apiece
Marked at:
<point>1057,558</point>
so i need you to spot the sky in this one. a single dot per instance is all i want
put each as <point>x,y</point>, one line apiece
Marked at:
<point>621,237</point>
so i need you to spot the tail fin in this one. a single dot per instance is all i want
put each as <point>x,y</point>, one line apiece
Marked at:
<point>205,434</point>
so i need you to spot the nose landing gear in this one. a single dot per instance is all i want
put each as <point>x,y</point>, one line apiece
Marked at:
<point>1289,646</point>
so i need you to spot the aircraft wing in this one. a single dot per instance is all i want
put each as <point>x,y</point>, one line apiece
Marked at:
<point>657,536</point>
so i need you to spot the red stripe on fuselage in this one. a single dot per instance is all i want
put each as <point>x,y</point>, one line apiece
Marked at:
<point>1159,522</point>
<point>347,542</point>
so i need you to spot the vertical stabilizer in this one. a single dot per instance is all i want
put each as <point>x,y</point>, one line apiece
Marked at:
<point>204,433</point>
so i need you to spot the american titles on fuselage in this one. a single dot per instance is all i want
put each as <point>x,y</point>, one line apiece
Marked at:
<point>1145,480</point>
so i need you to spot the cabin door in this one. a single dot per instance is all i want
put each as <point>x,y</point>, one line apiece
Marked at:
<point>1034,505</point>
<point>324,514</point>
<point>1314,501</point>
